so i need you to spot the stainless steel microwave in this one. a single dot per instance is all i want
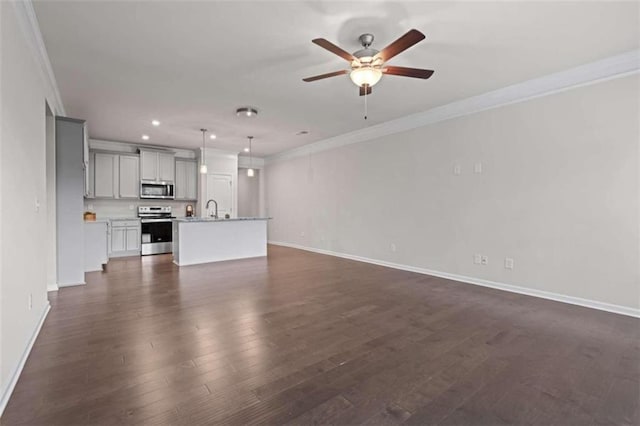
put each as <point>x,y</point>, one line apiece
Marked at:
<point>157,190</point>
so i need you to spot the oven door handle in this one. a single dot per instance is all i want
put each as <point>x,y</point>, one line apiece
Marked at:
<point>155,220</point>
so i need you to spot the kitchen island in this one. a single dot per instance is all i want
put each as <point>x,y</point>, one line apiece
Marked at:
<point>204,240</point>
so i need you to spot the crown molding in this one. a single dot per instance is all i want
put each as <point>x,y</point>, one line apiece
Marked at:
<point>26,16</point>
<point>606,69</point>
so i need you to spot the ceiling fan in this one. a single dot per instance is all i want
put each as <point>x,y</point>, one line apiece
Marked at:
<point>368,65</point>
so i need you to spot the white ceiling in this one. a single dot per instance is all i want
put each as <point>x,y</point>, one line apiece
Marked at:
<point>191,64</point>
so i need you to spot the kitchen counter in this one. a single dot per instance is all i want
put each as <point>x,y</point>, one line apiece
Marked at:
<point>204,240</point>
<point>211,219</point>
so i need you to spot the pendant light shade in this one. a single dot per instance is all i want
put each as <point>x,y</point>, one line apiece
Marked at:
<point>203,166</point>
<point>250,172</point>
<point>365,75</point>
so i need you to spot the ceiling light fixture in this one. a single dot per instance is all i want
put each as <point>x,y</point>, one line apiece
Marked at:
<point>212,136</point>
<point>203,166</point>
<point>246,112</point>
<point>302,132</point>
<point>365,75</point>
<point>250,171</point>
<point>145,137</point>
<point>246,150</point>
<point>155,123</point>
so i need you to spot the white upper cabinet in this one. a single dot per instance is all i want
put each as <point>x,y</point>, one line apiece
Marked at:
<point>105,174</point>
<point>148,165</point>
<point>186,185</point>
<point>166,167</point>
<point>90,177</point>
<point>129,179</point>
<point>114,176</point>
<point>157,166</point>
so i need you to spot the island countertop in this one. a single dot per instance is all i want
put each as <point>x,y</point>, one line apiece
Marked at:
<point>211,219</point>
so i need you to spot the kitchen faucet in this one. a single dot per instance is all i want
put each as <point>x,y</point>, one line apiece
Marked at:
<point>215,215</point>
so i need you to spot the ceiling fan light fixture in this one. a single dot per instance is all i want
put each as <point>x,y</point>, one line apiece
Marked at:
<point>365,75</point>
<point>246,112</point>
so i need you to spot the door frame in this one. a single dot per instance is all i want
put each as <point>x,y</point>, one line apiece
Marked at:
<point>230,176</point>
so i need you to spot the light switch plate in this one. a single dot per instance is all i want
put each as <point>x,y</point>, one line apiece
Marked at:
<point>477,168</point>
<point>457,170</point>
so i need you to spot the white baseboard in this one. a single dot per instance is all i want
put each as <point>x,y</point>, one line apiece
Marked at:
<point>6,393</point>
<point>594,304</point>
<point>52,287</point>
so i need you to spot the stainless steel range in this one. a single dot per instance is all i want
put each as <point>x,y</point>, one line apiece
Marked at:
<point>157,229</point>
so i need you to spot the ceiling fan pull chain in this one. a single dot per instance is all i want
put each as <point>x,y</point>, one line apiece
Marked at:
<point>365,101</point>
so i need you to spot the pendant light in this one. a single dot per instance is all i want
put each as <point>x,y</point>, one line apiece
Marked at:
<point>250,171</point>
<point>203,166</point>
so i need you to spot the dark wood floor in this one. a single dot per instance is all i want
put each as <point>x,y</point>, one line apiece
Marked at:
<point>302,338</point>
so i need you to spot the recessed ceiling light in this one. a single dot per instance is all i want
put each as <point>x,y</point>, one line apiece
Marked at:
<point>155,123</point>
<point>302,132</point>
<point>212,136</point>
<point>145,137</point>
<point>246,112</point>
<point>246,150</point>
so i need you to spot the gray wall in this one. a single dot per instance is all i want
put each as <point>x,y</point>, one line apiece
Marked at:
<point>248,194</point>
<point>23,234</point>
<point>558,193</point>
<point>70,201</point>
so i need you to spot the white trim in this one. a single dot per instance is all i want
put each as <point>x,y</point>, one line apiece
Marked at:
<point>606,69</point>
<point>52,287</point>
<point>594,304</point>
<point>29,22</point>
<point>6,393</point>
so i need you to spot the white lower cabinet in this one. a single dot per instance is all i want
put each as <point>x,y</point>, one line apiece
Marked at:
<point>124,238</point>
<point>95,245</point>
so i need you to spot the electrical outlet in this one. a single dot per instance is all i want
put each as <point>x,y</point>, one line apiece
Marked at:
<point>30,301</point>
<point>37,205</point>
<point>508,263</point>
<point>90,207</point>
<point>393,247</point>
<point>302,233</point>
<point>477,259</point>
<point>484,260</point>
<point>477,168</point>
<point>457,170</point>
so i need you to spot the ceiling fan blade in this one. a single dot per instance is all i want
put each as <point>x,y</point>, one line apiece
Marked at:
<point>334,49</point>
<point>365,90</point>
<point>327,75</point>
<point>400,45</point>
<point>408,72</point>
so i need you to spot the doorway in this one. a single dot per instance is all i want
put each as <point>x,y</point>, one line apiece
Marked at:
<point>220,188</point>
<point>50,165</point>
